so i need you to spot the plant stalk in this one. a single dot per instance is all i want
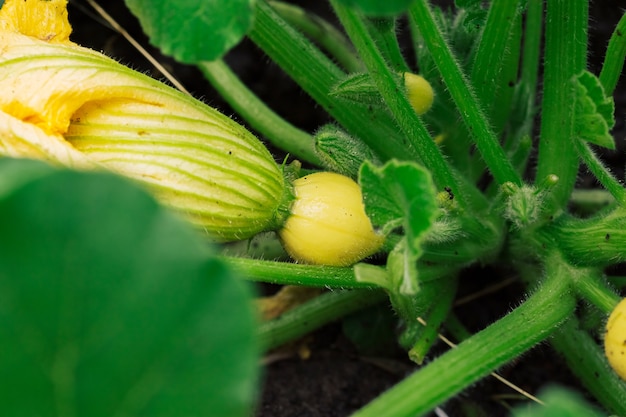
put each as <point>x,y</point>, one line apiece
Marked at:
<point>565,57</point>
<point>515,333</point>
<point>315,313</point>
<point>388,84</point>
<point>263,119</point>
<point>587,361</point>
<point>463,95</point>
<point>317,75</point>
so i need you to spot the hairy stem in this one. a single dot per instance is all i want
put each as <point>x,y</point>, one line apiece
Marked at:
<point>527,325</point>
<point>313,314</point>
<point>565,54</point>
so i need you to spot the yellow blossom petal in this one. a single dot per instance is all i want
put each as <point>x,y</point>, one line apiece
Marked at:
<point>19,139</point>
<point>42,19</point>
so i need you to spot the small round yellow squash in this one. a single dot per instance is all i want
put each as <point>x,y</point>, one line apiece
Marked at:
<point>615,339</point>
<point>419,92</point>
<point>327,224</point>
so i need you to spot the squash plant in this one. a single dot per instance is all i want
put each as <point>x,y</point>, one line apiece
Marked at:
<point>103,288</point>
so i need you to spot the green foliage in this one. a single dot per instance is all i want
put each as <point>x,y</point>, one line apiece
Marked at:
<point>594,111</point>
<point>194,30</point>
<point>400,195</point>
<point>559,403</point>
<point>113,306</point>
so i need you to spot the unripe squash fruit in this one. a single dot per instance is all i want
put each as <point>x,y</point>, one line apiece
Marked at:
<point>615,339</point>
<point>327,224</point>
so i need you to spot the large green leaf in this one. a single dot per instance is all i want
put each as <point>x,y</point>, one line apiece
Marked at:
<point>111,306</point>
<point>194,30</point>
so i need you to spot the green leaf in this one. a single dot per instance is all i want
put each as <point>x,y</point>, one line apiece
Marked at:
<point>194,30</point>
<point>400,194</point>
<point>559,402</point>
<point>594,111</point>
<point>113,306</point>
<point>377,7</point>
<point>16,172</point>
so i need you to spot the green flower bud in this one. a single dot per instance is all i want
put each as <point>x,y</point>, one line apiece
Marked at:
<point>78,108</point>
<point>340,152</point>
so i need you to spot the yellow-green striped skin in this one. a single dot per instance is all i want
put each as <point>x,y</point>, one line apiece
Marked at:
<point>327,224</point>
<point>75,107</point>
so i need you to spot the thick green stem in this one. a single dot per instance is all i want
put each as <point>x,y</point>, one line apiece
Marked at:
<point>463,95</point>
<point>493,61</point>
<point>383,31</point>
<point>515,333</point>
<point>565,54</point>
<point>388,84</point>
<point>322,32</point>
<point>313,314</point>
<point>587,361</point>
<point>317,75</point>
<point>280,132</point>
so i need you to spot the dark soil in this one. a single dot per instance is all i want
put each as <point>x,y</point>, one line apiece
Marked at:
<point>336,380</point>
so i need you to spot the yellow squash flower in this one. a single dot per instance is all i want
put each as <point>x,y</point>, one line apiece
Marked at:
<point>75,107</point>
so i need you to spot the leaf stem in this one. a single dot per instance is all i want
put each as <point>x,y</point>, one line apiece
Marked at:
<point>417,136</point>
<point>565,54</point>
<point>587,282</point>
<point>493,56</point>
<point>317,75</point>
<point>383,32</point>
<point>598,169</point>
<point>591,285</point>
<point>286,273</point>
<point>263,119</point>
<point>463,95</point>
<point>322,32</point>
<point>315,313</point>
<point>588,363</point>
<point>614,58</point>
